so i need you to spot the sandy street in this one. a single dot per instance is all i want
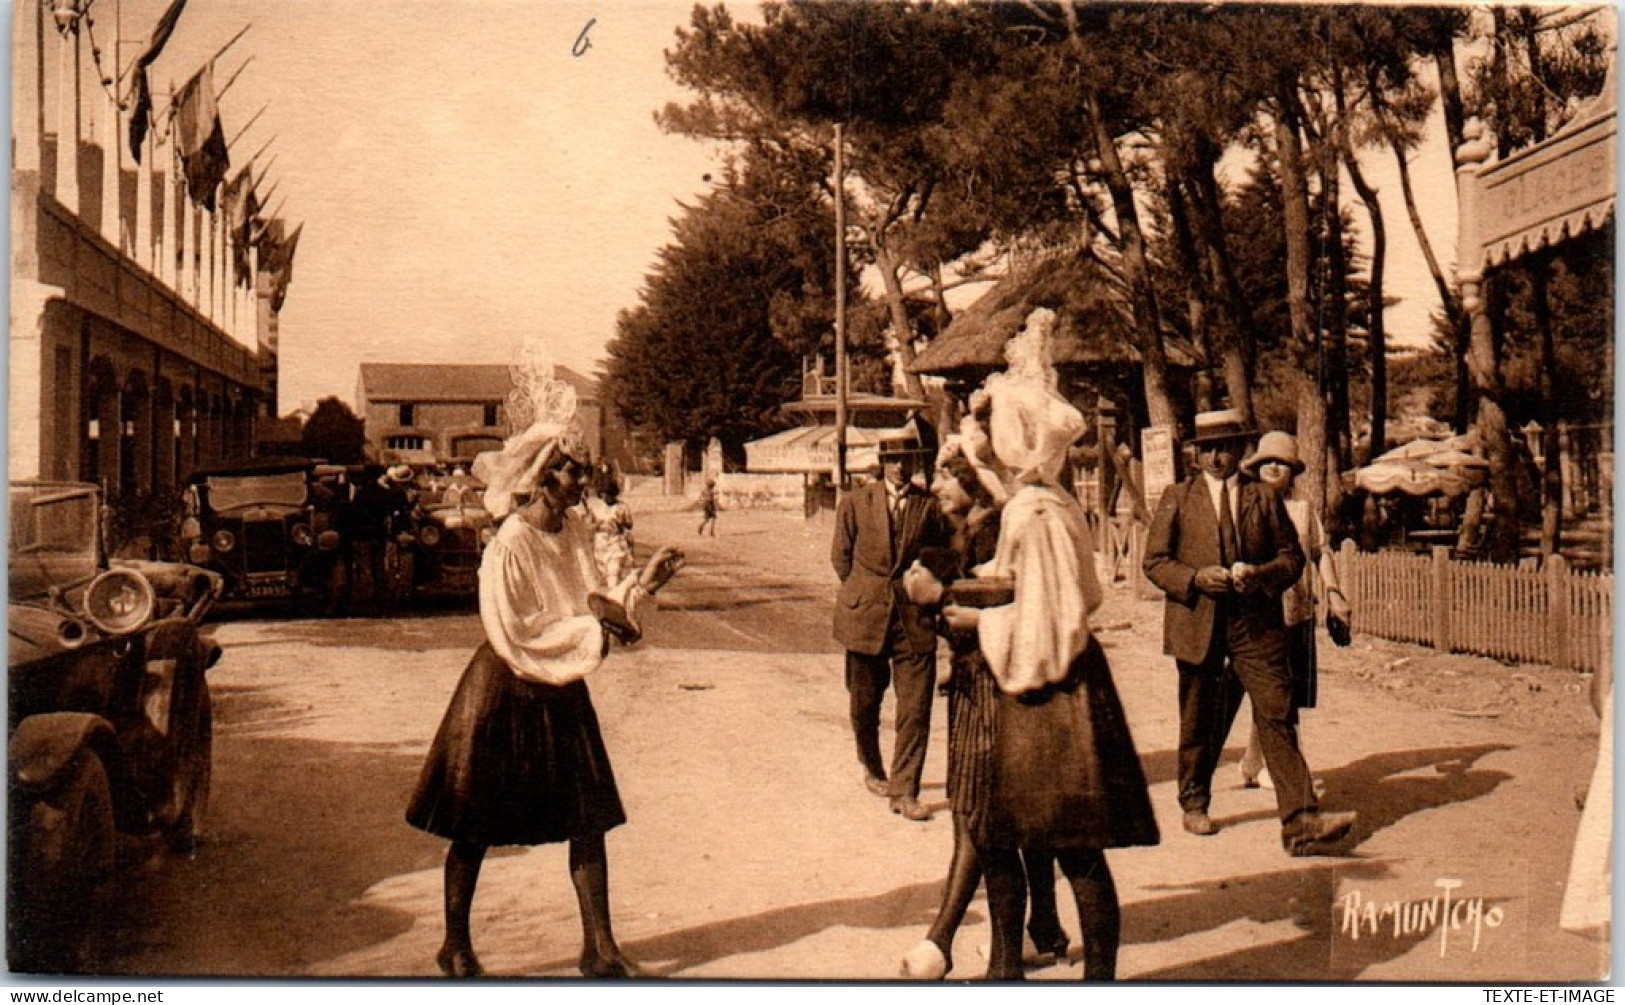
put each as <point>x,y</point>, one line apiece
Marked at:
<point>753,851</point>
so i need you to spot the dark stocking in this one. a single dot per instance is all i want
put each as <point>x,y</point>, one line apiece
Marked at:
<point>1006,902</point>
<point>1043,920</point>
<point>456,957</point>
<point>1098,915</point>
<point>964,876</point>
<point>589,871</point>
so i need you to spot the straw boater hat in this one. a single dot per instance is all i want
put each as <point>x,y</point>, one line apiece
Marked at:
<point>1031,425</point>
<point>1274,446</point>
<point>400,474</point>
<point>1224,424</point>
<point>544,409</point>
<point>905,442</point>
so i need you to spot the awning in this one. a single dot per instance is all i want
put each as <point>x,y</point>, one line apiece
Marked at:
<point>811,449</point>
<point>1554,191</point>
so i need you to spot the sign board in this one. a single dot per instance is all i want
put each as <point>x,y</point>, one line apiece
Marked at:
<point>1157,453</point>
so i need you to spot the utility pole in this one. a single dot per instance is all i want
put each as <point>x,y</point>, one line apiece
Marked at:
<point>840,314</point>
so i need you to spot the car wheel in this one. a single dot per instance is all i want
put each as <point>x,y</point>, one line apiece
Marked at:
<point>194,768</point>
<point>61,871</point>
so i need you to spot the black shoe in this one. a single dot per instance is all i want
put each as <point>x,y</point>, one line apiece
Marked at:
<point>615,967</point>
<point>910,808</point>
<point>1311,834</point>
<point>1199,823</point>
<point>455,962</point>
<point>876,785</point>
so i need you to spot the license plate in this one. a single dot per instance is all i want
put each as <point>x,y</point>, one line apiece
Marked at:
<point>267,590</point>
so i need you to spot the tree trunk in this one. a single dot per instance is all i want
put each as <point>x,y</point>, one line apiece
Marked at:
<point>1334,371</point>
<point>1153,360</point>
<point>1196,311</point>
<point>1455,120</point>
<point>1377,335</point>
<point>1208,224</point>
<point>1551,512</point>
<point>1295,214</point>
<point>886,264</point>
<point>1484,367</point>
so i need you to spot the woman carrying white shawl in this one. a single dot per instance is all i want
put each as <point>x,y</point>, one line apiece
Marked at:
<point>1065,776</point>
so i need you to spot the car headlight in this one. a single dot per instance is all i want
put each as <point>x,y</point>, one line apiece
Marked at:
<point>429,534</point>
<point>198,553</point>
<point>302,535</point>
<point>224,540</point>
<point>486,534</point>
<point>120,601</point>
<point>327,540</point>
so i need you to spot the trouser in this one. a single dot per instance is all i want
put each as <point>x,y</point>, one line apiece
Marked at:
<point>867,678</point>
<point>1245,659</point>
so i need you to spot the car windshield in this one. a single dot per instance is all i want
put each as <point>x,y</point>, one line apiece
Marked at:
<point>53,538</point>
<point>231,491</point>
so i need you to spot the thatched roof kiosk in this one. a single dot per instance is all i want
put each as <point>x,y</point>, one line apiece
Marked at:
<point>1094,350</point>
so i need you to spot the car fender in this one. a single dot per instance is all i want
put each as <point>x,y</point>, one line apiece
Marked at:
<point>178,639</point>
<point>44,745</point>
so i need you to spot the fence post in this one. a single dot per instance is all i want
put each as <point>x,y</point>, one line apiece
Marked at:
<point>1344,561</point>
<point>1557,611</point>
<point>1441,598</point>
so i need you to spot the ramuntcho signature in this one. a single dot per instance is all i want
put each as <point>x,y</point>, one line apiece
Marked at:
<point>1446,912</point>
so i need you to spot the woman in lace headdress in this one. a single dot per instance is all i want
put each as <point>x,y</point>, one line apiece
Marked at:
<point>1065,776</point>
<point>519,758</point>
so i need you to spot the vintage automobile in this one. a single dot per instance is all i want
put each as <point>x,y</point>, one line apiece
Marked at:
<point>450,530</point>
<point>109,720</point>
<point>266,527</point>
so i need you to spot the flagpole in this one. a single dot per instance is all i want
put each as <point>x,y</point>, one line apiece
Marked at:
<point>227,86</point>
<point>268,164</point>
<point>217,54</point>
<point>255,118</point>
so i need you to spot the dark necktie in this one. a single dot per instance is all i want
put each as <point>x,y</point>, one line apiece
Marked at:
<point>1229,547</point>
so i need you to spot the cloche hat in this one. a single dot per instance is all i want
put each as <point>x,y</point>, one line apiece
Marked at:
<point>1274,446</point>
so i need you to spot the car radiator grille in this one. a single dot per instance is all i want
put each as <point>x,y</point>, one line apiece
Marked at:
<point>265,546</point>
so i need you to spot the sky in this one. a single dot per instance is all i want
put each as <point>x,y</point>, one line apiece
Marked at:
<point>466,181</point>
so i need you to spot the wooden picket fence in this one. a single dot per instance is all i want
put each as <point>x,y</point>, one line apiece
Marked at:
<point>1554,615</point>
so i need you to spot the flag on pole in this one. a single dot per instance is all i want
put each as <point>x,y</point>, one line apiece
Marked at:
<point>282,268</point>
<point>202,140</point>
<point>242,206</point>
<point>140,91</point>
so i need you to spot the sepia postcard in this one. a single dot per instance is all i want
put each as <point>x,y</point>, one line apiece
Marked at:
<point>811,491</point>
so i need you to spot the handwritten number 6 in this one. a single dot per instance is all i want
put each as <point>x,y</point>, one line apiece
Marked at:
<point>583,43</point>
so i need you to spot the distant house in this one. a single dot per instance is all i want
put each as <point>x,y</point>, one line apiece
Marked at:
<point>448,413</point>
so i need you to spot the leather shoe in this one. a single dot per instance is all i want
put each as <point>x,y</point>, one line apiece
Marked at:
<point>612,967</point>
<point>1199,823</point>
<point>1309,837</point>
<point>910,808</point>
<point>876,786</point>
<point>458,962</point>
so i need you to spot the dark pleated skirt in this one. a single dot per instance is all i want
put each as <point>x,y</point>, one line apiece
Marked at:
<point>1062,771</point>
<point>971,704</point>
<point>515,762</point>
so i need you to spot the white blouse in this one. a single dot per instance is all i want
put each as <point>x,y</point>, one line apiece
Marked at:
<point>533,600</point>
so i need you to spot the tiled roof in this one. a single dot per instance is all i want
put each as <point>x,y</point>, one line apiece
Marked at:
<point>453,382</point>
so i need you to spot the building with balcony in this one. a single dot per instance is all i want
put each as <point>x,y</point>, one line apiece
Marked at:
<point>447,413</point>
<point>134,356</point>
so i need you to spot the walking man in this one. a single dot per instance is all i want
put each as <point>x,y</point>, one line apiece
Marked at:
<point>1223,551</point>
<point>879,531</point>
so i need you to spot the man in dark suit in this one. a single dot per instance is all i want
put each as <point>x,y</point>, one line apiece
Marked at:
<point>879,531</point>
<point>1223,551</point>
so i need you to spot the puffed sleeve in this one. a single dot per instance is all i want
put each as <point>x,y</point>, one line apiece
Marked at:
<point>526,622</point>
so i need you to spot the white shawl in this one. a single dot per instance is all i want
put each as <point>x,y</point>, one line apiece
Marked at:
<point>1044,543</point>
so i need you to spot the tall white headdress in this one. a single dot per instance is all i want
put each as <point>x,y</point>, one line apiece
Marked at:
<point>542,413</point>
